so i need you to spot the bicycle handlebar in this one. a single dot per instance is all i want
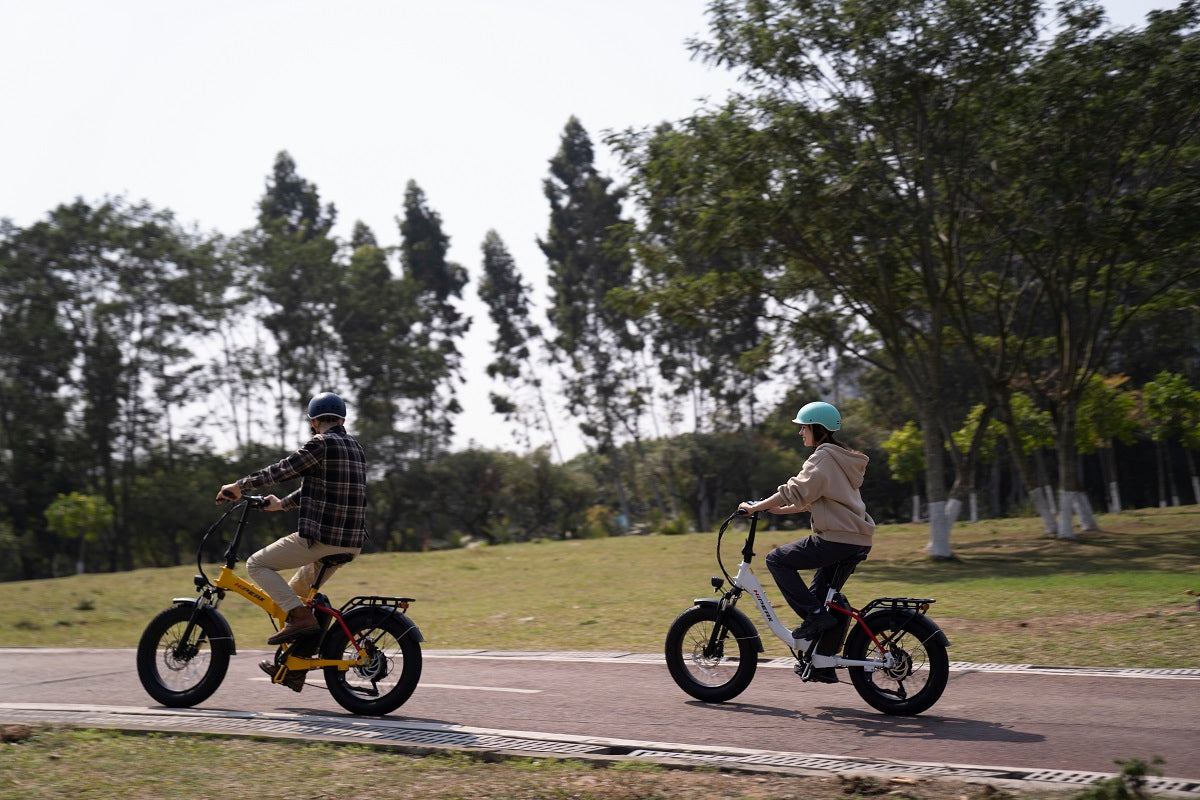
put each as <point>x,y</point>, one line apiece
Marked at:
<point>247,502</point>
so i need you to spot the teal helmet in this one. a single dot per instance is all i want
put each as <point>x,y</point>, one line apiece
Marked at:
<point>326,404</point>
<point>820,414</point>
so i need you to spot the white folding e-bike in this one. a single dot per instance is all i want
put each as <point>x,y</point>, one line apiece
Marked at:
<point>895,654</point>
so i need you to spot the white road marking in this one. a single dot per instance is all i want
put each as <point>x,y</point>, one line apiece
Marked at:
<point>423,685</point>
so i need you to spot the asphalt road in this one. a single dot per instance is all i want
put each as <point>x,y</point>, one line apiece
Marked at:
<point>1080,720</point>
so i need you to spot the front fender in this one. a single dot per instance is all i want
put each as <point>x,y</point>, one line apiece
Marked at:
<point>217,619</point>
<point>737,621</point>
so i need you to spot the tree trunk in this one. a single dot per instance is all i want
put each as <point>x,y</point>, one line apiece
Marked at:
<point>1083,507</point>
<point>1114,486</point>
<point>1037,496</point>
<point>935,488</point>
<point>1162,482</point>
<point>1191,462</point>
<point>1068,471</point>
<point>953,509</point>
<point>1171,476</point>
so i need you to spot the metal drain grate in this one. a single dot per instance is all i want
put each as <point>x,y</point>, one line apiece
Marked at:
<point>837,765</point>
<point>314,727</point>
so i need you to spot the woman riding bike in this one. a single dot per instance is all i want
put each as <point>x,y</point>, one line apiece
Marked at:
<point>827,487</point>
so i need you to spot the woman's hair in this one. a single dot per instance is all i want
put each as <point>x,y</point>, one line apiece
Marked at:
<point>822,435</point>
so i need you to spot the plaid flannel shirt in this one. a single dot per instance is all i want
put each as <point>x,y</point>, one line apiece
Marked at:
<point>333,495</point>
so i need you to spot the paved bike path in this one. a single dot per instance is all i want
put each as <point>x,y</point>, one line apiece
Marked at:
<point>996,723</point>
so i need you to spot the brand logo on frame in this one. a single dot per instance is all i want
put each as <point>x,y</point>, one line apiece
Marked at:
<point>763,605</point>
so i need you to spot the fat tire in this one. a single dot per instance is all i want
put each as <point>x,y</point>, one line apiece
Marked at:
<point>687,637</point>
<point>922,647</point>
<point>400,649</point>
<point>180,681</point>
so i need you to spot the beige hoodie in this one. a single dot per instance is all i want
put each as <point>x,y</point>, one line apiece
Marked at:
<point>828,485</point>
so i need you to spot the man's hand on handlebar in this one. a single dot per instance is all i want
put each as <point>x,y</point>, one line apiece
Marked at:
<point>230,493</point>
<point>272,503</point>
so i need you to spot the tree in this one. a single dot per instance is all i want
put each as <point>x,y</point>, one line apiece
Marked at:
<point>436,326</point>
<point>850,162</point>
<point>1170,409</point>
<point>36,355</point>
<point>1106,415</point>
<point>588,255</point>
<point>79,518</point>
<point>906,460</point>
<point>980,424</point>
<point>507,298</point>
<point>294,269</point>
<point>1096,196</point>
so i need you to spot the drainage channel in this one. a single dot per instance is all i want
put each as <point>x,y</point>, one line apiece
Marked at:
<point>430,737</point>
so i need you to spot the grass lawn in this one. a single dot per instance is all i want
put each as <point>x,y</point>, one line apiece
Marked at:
<point>1124,596</point>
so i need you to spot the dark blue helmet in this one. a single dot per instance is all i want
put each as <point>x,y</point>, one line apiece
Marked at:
<point>326,404</point>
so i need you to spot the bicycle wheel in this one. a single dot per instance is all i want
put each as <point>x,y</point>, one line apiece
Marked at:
<point>919,674</point>
<point>393,666</point>
<point>180,673</point>
<point>702,668</point>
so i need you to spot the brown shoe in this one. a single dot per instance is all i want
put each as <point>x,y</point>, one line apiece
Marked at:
<point>292,680</point>
<point>299,622</point>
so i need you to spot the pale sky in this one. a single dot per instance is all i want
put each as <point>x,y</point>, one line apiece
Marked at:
<point>184,105</point>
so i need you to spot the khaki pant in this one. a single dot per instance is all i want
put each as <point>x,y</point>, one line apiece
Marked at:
<point>292,552</point>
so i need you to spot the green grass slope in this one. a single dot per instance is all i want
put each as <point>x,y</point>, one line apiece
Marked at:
<point>1125,596</point>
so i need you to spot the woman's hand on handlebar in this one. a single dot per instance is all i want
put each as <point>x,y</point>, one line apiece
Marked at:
<point>746,508</point>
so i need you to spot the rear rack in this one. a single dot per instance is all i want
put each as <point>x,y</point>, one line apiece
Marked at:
<point>916,603</point>
<point>399,603</point>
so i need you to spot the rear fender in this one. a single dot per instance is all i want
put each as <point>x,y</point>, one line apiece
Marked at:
<point>363,616</point>
<point>739,623</point>
<point>927,629</point>
<point>217,619</point>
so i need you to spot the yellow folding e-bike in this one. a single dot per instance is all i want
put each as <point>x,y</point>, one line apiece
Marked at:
<point>368,650</point>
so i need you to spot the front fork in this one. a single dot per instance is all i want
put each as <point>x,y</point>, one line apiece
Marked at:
<point>716,639</point>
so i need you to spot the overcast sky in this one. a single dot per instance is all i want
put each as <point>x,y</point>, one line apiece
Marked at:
<point>185,105</point>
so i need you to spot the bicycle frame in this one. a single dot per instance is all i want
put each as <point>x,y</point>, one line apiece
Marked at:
<point>746,581</point>
<point>227,580</point>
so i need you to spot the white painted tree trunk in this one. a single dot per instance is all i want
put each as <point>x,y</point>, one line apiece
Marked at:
<point>1037,496</point>
<point>974,507</point>
<point>1083,507</point>
<point>1066,515</point>
<point>916,508</point>
<point>939,531</point>
<point>1196,487</point>
<point>953,507</point>
<point>1114,497</point>
<point>1048,491</point>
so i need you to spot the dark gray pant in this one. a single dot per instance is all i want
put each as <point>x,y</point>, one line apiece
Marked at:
<point>812,552</point>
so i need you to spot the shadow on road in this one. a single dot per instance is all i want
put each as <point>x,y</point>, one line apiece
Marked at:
<point>749,708</point>
<point>926,727</point>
